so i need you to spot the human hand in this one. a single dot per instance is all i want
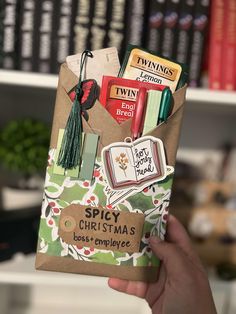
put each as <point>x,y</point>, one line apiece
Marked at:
<point>182,286</point>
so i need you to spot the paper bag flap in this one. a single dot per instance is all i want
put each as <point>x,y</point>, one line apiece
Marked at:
<point>100,121</point>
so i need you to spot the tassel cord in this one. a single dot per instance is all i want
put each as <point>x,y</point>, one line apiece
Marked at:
<point>70,151</point>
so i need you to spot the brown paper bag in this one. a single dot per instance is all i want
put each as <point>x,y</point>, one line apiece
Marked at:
<point>115,242</point>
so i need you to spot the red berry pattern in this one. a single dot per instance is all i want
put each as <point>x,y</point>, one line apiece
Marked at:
<point>96,173</point>
<point>51,222</point>
<point>56,210</point>
<point>86,184</point>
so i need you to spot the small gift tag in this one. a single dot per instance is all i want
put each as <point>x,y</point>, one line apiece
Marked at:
<point>104,62</point>
<point>101,228</point>
<point>88,156</point>
<point>74,173</point>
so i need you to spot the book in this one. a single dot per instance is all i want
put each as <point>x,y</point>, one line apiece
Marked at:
<point>155,25</point>
<point>43,41</point>
<point>63,38</point>
<point>216,43</point>
<point>169,38</point>
<point>82,27</point>
<point>135,33</point>
<point>117,25</point>
<point>136,164</point>
<point>99,25</point>
<point>228,63</point>
<point>28,23</point>
<point>9,25</point>
<point>37,30</point>
<point>184,31</point>
<point>199,39</point>
<point>1,31</point>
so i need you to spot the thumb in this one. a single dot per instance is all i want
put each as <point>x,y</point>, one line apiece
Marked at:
<point>170,254</point>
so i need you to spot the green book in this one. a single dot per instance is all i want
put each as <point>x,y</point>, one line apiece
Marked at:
<point>152,110</point>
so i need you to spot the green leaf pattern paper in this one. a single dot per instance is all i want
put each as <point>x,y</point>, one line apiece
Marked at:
<point>61,191</point>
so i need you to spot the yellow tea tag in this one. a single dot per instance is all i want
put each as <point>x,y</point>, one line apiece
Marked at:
<point>144,66</point>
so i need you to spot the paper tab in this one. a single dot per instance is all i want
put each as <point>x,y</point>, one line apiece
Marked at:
<point>88,156</point>
<point>101,228</point>
<point>58,169</point>
<point>74,173</point>
<point>152,111</point>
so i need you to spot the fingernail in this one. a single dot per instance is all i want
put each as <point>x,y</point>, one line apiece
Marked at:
<point>155,240</point>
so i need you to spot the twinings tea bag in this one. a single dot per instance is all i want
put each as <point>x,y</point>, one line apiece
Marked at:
<point>119,95</point>
<point>145,66</point>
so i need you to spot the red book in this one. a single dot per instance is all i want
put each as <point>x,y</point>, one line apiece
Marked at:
<point>216,43</point>
<point>228,64</point>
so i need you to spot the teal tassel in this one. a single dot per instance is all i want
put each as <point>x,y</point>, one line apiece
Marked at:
<point>70,151</point>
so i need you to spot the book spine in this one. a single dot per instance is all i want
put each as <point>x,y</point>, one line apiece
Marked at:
<point>170,28</point>
<point>200,30</point>
<point>117,28</point>
<point>26,35</point>
<point>137,12</point>
<point>99,25</point>
<point>215,46</point>
<point>62,43</point>
<point>155,25</point>
<point>44,30</point>
<point>36,35</point>
<point>228,63</point>
<point>9,33</point>
<point>83,23</point>
<point>2,12</point>
<point>185,31</point>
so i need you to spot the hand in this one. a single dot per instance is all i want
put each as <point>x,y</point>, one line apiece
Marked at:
<point>182,286</point>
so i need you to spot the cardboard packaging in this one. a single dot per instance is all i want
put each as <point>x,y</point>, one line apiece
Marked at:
<point>79,231</point>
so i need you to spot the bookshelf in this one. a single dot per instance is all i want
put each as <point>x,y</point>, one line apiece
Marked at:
<point>49,81</point>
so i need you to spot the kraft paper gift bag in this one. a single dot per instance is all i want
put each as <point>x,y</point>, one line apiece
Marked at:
<point>82,230</point>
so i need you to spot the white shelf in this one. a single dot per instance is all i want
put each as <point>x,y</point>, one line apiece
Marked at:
<point>21,271</point>
<point>211,96</point>
<point>52,292</point>
<point>28,79</point>
<point>50,81</point>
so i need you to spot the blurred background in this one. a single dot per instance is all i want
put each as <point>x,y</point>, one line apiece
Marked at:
<point>35,38</point>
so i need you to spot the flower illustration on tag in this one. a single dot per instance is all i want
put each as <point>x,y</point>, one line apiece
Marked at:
<point>123,161</point>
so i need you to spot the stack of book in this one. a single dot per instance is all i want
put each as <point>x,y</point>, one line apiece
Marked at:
<point>37,35</point>
<point>222,45</point>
